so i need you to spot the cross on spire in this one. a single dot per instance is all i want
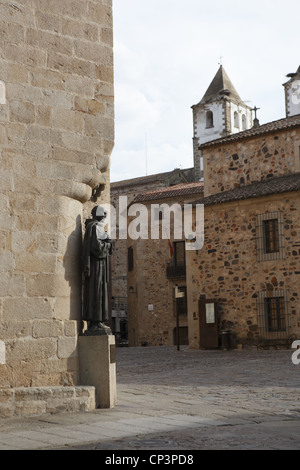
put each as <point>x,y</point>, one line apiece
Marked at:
<point>255,109</point>
<point>255,121</point>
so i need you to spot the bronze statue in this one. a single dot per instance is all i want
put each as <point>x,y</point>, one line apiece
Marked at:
<point>97,247</point>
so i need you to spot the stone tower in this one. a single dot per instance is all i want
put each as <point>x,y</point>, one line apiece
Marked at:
<point>56,137</point>
<point>292,94</point>
<point>221,112</point>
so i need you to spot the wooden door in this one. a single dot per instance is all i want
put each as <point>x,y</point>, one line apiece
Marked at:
<point>208,323</point>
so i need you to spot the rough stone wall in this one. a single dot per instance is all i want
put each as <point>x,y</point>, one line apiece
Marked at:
<point>56,137</point>
<point>148,285</point>
<point>119,258</point>
<point>227,268</point>
<point>239,163</point>
<point>125,188</point>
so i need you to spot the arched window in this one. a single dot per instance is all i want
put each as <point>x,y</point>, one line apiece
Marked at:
<point>236,120</point>
<point>209,119</point>
<point>244,122</point>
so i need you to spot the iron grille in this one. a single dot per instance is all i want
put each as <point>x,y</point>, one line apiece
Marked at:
<point>273,315</point>
<point>269,233</point>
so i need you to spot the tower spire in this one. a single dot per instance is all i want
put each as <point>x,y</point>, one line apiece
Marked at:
<point>220,112</point>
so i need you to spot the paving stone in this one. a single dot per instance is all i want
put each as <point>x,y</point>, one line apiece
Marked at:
<point>218,405</point>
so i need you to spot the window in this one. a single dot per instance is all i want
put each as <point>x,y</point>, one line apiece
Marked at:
<point>209,119</point>
<point>273,314</point>
<point>130,259</point>
<point>244,122</point>
<point>269,234</point>
<point>177,268</point>
<point>236,120</point>
<point>179,253</point>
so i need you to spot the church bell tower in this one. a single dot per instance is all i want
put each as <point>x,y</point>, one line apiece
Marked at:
<point>221,112</point>
<point>292,94</point>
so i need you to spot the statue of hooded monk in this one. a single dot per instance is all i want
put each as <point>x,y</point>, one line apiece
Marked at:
<point>97,247</point>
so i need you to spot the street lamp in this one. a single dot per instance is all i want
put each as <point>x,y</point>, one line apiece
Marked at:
<point>178,295</point>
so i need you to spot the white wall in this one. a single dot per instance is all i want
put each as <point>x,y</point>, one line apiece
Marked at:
<point>293,98</point>
<point>207,134</point>
<point>240,110</point>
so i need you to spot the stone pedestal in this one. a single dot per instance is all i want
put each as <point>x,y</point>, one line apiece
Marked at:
<point>98,367</point>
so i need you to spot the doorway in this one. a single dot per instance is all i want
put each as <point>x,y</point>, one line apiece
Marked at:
<point>208,323</point>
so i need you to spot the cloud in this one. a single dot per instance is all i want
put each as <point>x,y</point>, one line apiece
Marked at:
<point>167,53</point>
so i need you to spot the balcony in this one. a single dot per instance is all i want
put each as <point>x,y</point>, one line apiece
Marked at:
<point>176,272</point>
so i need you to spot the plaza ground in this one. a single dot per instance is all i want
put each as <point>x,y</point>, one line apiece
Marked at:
<point>180,400</point>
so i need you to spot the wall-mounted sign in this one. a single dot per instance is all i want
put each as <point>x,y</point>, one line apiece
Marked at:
<point>210,314</point>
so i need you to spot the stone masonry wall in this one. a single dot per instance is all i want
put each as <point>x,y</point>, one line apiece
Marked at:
<point>227,268</point>
<point>151,288</point>
<point>151,299</point>
<point>131,190</point>
<point>56,137</point>
<point>234,164</point>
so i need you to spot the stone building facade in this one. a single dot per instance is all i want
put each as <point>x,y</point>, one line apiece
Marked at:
<point>154,272</point>
<point>243,284</point>
<point>221,112</point>
<point>249,266</point>
<point>56,137</point>
<point>254,155</point>
<point>129,190</point>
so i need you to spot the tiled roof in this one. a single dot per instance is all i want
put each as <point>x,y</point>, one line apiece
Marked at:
<point>220,83</point>
<point>281,124</point>
<point>275,185</point>
<point>147,179</point>
<point>183,189</point>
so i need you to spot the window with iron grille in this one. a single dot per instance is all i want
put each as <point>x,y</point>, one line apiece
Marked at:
<point>269,233</point>
<point>273,314</point>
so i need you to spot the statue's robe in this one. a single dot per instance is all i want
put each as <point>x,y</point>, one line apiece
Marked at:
<point>97,247</point>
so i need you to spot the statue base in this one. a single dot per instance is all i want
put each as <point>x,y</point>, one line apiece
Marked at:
<point>98,332</point>
<point>97,356</point>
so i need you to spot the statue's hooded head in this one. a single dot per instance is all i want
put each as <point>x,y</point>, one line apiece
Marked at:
<point>99,213</point>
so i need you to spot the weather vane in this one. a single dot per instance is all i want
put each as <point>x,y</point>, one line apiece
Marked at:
<point>220,59</point>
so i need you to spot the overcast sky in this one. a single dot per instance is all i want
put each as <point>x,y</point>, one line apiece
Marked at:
<point>167,53</point>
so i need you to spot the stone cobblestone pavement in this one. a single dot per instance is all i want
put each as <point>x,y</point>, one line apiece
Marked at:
<point>180,400</point>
